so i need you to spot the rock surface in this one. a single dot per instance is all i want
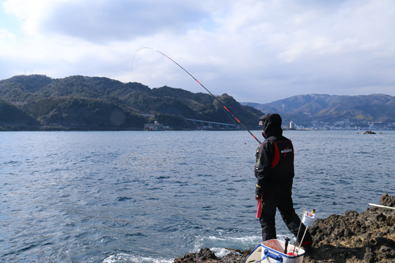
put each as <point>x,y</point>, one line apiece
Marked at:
<point>350,238</point>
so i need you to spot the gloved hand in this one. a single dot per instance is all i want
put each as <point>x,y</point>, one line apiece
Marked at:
<point>258,192</point>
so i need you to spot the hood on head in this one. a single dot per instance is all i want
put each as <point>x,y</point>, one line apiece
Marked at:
<point>271,125</point>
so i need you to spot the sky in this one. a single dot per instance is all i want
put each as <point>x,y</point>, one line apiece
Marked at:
<point>254,50</point>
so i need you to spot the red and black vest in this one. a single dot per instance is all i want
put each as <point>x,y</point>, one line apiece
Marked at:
<point>278,157</point>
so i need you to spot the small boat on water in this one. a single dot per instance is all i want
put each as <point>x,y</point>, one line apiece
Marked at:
<point>369,132</point>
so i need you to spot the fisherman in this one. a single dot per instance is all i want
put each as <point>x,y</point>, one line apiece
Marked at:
<point>274,171</point>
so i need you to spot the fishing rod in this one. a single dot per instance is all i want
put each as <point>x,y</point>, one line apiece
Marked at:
<point>382,206</point>
<point>237,120</point>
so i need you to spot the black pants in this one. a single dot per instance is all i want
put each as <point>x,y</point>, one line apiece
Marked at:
<point>278,198</point>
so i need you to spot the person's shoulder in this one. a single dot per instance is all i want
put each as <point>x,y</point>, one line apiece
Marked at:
<point>271,139</point>
<point>267,143</point>
<point>285,139</point>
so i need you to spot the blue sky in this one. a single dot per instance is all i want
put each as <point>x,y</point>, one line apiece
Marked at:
<point>254,50</point>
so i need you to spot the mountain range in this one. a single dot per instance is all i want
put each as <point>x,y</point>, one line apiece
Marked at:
<point>37,102</point>
<point>333,111</point>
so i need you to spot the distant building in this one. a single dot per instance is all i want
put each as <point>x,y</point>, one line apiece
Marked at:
<point>292,125</point>
<point>156,126</point>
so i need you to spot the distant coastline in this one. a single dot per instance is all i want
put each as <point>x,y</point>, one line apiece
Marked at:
<point>80,103</point>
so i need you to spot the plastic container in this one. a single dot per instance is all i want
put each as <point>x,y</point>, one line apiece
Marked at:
<point>272,251</point>
<point>308,218</point>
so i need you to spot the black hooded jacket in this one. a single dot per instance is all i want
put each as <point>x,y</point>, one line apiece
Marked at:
<point>274,157</point>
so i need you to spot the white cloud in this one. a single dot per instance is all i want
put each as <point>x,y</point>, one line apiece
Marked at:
<point>105,20</point>
<point>31,13</point>
<point>257,50</point>
<point>5,35</point>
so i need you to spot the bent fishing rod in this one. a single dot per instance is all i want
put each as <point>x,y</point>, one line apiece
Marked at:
<point>237,120</point>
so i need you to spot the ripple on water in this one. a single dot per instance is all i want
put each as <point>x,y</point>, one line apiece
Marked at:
<point>137,234</point>
<point>123,198</point>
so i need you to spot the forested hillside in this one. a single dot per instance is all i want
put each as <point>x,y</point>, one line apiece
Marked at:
<point>96,103</point>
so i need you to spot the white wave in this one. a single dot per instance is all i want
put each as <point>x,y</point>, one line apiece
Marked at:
<point>220,252</point>
<point>226,242</point>
<point>218,244</point>
<point>128,258</point>
<point>247,239</point>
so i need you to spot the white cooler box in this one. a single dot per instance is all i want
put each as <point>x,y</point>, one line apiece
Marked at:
<point>272,251</point>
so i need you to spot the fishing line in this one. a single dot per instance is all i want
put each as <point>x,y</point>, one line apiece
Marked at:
<point>237,120</point>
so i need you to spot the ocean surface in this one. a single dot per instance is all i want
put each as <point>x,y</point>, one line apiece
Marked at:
<point>153,196</point>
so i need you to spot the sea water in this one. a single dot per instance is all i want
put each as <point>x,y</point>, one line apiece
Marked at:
<point>153,196</point>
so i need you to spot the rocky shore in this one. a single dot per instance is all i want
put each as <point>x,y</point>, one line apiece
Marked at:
<point>350,238</point>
